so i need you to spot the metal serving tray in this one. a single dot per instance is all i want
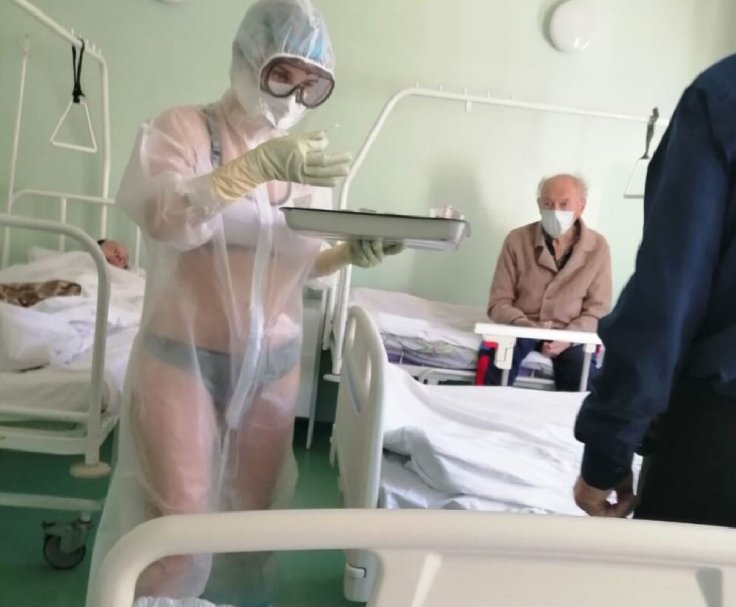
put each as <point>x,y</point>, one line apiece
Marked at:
<point>416,232</point>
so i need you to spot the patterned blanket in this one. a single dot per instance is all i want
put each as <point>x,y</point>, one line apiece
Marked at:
<point>27,294</point>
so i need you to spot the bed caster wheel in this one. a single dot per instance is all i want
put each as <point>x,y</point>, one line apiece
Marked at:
<point>58,558</point>
<point>90,471</point>
<point>64,543</point>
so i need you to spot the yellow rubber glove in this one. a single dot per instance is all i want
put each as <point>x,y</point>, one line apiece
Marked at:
<point>299,158</point>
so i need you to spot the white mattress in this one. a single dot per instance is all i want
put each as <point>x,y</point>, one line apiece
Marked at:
<point>67,388</point>
<point>479,447</point>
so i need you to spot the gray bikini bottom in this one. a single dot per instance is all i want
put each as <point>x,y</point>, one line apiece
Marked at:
<point>216,368</point>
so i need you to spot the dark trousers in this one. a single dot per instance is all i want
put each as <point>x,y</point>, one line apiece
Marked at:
<point>691,471</point>
<point>567,366</point>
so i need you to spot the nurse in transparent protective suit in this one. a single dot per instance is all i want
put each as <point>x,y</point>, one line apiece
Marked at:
<point>207,417</point>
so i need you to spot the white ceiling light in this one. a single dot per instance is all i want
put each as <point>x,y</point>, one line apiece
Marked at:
<point>571,26</point>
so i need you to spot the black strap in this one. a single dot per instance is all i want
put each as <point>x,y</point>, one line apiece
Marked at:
<point>214,133</point>
<point>77,92</point>
<point>650,131</point>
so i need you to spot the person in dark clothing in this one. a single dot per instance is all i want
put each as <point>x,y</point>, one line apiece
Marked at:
<point>671,339</point>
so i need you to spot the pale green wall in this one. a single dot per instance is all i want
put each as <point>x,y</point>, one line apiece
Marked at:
<point>486,163</point>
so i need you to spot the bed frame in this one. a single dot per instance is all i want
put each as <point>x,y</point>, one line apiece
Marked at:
<point>438,558</point>
<point>357,439</point>
<point>64,545</point>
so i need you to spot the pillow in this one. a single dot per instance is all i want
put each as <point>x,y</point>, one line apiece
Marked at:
<point>27,294</point>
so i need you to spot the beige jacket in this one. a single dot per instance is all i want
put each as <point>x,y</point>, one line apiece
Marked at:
<point>528,288</point>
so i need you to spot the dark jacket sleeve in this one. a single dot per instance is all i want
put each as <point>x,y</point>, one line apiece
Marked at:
<point>658,313</point>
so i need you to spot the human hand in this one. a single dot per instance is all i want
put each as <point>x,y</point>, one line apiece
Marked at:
<point>553,349</point>
<point>595,502</point>
<point>370,253</point>
<point>301,158</point>
<point>298,158</point>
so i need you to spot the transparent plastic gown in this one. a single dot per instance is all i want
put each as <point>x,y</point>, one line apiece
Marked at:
<point>207,419</point>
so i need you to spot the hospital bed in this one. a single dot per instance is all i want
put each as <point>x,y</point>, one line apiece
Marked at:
<point>71,408</point>
<point>473,559</point>
<point>342,296</point>
<point>434,341</point>
<point>402,444</point>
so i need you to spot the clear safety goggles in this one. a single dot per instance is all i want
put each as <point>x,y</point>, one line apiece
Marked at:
<point>288,76</point>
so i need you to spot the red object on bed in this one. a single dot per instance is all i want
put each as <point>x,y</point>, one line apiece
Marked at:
<point>486,354</point>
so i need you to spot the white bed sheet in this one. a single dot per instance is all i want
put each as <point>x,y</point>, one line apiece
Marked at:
<point>67,388</point>
<point>481,447</point>
<point>402,488</point>
<point>58,330</point>
<point>431,333</point>
<point>405,315</point>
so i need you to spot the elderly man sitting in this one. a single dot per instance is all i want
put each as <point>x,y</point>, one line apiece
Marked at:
<point>554,273</point>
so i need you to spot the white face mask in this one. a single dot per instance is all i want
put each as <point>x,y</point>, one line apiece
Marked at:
<point>556,223</point>
<point>282,112</point>
<point>277,112</point>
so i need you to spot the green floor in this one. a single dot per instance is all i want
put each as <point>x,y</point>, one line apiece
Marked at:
<point>306,579</point>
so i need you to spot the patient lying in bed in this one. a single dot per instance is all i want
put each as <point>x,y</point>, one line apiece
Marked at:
<point>27,294</point>
<point>115,253</point>
<point>48,308</point>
